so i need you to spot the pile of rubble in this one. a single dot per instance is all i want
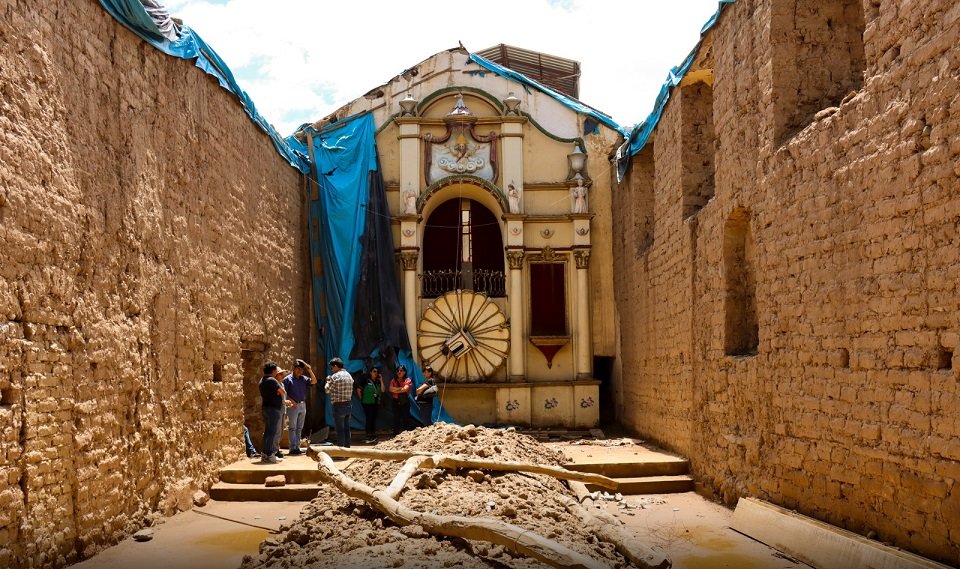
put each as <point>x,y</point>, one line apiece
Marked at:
<point>336,530</point>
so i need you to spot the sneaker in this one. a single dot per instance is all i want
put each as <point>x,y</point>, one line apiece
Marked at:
<point>325,444</point>
<point>279,454</point>
<point>255,455</point>
<point>295,452</point>
<point>370,441</point>
<point>269,460</point>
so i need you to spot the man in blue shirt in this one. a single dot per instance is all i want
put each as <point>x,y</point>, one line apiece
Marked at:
<point>297,386</point>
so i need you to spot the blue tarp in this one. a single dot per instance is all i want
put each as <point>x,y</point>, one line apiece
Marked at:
<point>345,159</point>
<point>640,134</point>
<point>563,99</point>
<point>189,45</point>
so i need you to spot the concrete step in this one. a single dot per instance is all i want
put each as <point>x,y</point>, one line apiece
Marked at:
<point>662,466</point>
<point>297,469</point>
<point>651,485</point>
<point>226,492</point>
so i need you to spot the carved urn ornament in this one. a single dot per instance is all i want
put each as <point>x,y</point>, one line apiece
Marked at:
<point>512,102</point>
<point>577,160</point>
<point>408,104</point>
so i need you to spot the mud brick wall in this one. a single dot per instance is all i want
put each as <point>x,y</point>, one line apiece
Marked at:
<point>148,233</point>
<point>846,405</point>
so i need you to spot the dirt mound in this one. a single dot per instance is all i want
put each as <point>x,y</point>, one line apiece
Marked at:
<point>338,531</point>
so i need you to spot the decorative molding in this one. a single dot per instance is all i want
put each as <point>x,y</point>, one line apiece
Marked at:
<point>549,346</point>
<point>581,231</point>
<point>515,230</point>
<point>408,258</point>
<point>547,254</point>
<point>515,258</point>
<point>496,192</point>
<point>546,233</point>
<point>409,232</point>
<point>582,258</point>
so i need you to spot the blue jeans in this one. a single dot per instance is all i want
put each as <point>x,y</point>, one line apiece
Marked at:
<point>272,420</point>
<point>341,421</point>
<point>251,450</point>
<point>295,418</point>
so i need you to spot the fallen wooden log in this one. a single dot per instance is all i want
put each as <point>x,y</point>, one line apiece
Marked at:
<point>413,464</point>
<point>511,537</point>
<point>451,462</point>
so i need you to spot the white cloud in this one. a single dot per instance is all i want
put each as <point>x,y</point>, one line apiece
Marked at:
<point>301,59</point>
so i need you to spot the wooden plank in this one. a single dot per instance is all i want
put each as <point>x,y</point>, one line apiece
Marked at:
<point>817,543</point>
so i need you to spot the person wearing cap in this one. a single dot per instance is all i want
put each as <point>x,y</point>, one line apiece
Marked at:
<point>271,396</point>
<point>400,387</point>
<point>370,390</point>
<point>297,385</point>
<point>426,393</point>
<point>340,387</point>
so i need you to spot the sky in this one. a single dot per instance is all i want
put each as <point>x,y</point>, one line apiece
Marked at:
<point>299,60</point>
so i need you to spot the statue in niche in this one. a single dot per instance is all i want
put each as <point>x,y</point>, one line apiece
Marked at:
<point>513,196</point>
<point>410,202</point>
<point>579,198</point>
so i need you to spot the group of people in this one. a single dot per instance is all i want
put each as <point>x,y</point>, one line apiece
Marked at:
<point>279,391</point>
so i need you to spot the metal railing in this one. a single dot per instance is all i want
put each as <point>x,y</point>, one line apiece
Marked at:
<point>435,283</point>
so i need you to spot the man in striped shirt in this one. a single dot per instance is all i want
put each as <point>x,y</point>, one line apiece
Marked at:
<point>340,387</point>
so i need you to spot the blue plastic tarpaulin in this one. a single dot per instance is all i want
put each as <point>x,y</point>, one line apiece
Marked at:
<point>640,134</point>
<point>563,99</point>
<point>189,45</point>
<point>346,168</point>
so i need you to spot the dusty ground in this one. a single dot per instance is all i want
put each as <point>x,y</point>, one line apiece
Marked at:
<point>216,536</point>
<point>336,531</point>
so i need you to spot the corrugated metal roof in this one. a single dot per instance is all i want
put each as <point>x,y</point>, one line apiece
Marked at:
<point>558,73</point>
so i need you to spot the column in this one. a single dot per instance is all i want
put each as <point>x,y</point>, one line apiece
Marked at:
<point>517,359</point>
<point>584,353</point>
<point>408,258</point>
<point>511,157</point>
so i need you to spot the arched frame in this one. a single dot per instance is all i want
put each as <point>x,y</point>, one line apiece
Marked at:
<point>466,186</point>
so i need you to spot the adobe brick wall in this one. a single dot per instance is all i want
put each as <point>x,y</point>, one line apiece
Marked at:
<point>850,409</point>
<point>148,231</point>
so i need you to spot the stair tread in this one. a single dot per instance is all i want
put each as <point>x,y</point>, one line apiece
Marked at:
<point>241,485</point>
<point>677,477</point>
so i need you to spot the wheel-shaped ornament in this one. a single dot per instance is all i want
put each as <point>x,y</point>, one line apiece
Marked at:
<point>463,336</point>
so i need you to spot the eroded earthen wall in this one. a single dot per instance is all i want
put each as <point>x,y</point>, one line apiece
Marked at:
<point>148,234</point>
<point>850,409</point>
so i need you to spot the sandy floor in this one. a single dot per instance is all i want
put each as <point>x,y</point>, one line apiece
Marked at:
<point>215,536</point>
<point>693,532</point>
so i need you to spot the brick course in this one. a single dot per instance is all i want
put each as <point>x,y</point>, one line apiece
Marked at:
<point>149,230</point>
<point>850,411</point>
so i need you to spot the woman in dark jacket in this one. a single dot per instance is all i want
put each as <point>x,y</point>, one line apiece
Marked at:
<point>426,393</point>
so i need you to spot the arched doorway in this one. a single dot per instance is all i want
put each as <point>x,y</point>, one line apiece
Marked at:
<point>462,250</point>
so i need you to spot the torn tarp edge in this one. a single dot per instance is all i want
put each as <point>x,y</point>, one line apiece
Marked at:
<point>640,134</point>
<point>133,15</point>
<point>563,99</point>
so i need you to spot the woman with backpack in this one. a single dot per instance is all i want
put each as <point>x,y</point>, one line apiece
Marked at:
<point>369,391</point>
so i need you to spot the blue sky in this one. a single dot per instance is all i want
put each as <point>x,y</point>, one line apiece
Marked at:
<point>301,59</point>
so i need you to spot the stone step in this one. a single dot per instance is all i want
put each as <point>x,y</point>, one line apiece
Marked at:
<point>298,470</point>
<point>633,469</point>
<point>651,485</point>
<point>227,492</point>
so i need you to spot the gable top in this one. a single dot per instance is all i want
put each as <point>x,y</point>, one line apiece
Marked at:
<point>558,73</point>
